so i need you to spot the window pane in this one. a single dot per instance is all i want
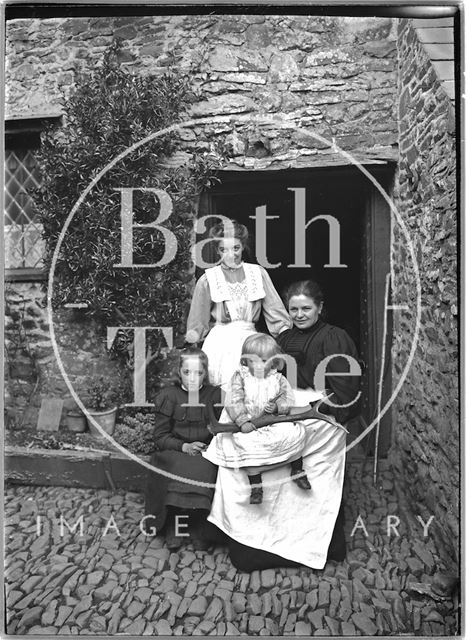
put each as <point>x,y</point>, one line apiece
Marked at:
<point>24,246</point>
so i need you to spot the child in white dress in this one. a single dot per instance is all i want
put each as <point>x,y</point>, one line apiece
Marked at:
<point>257,387</point>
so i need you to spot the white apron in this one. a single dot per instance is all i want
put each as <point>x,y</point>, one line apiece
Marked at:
<point>223,344</point>
<point>223,347</point>
<point>291,523</point>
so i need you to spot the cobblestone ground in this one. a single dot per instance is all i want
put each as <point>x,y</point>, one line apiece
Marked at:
<point>133,585</point>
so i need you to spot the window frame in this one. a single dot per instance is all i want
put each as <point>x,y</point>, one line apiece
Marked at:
<point>21,126</point>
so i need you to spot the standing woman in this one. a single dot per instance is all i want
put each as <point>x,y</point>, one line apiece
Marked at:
<point>227,302</point>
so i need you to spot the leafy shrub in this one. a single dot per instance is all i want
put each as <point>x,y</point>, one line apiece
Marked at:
<point>136,433</point>
<point>111,110</point>
<point>101,394</point>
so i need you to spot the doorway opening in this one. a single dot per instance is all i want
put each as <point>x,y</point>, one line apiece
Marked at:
<point>354,294</point>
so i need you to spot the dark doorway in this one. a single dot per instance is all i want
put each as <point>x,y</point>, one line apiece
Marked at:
<point>353,295</point>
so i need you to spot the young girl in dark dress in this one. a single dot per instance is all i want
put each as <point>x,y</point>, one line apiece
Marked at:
<point>180,436</point>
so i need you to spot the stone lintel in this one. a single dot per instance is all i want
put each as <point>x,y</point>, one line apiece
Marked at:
<point>303,162</point>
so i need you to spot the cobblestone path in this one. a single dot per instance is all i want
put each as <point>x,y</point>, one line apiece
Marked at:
<point>133,585</point>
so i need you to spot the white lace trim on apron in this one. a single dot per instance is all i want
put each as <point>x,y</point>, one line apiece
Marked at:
<point>219,289</point>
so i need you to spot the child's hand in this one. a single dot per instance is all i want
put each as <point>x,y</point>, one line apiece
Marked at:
<point>247,427</point>
<point>283,409</point>
<point>270,407</point>
<point>193,448</point>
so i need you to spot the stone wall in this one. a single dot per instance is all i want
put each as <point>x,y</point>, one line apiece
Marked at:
<point>331,75</point>
<point>31,368</point>
<point>26,335</point>
<point>425,415</point>
<point>351,80</point>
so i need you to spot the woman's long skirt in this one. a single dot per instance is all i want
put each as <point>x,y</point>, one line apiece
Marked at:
<point>185,492</point>
<point>249,559</point>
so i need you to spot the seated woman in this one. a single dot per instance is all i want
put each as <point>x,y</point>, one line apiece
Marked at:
<point>293,527</point>
<point>181,435</point>
<point>227,302</point>
<point>311,341</point>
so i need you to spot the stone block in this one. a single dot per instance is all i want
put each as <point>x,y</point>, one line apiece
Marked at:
<point>364,624</point>
<point>258,36</point>
<point>244,77</point>
<point>380,48</point>
<point>50,414</point>
<point>283,68</point>
<point>302,628</point>
<point>152,50</point>
<point>223,105</point>
<point>226,25</point>
<point>127,32</point>
<point>316,618</point>
<point>231,59</point>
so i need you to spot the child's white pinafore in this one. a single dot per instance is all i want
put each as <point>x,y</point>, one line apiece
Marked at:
<point>268,445</point>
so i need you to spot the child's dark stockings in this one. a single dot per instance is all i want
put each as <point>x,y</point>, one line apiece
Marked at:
<point>301,479</point>
<point>256,495</point>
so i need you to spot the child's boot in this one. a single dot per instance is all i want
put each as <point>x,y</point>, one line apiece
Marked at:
<point>301,479</point>
<point>256,495</point>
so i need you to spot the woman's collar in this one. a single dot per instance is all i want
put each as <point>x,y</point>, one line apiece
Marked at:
<point>185,389</point>
<point>311,329</point>
<point>236,268</point>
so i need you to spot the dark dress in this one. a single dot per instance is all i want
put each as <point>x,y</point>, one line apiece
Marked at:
<point>309,348</point>
<point>175,425</point>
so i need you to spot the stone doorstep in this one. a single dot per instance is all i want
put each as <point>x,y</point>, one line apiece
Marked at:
<point>71,468</point>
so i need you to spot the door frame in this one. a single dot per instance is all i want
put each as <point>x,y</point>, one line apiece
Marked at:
<point>375,265</point>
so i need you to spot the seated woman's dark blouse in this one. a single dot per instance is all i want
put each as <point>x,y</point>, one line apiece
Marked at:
<point>311,346</point>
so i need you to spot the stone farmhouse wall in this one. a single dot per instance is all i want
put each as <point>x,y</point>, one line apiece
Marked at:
<point>426,445</point>
<point>336,76</point>
<point>31,369</point>
<point>332,76</point>
<point>364,83</point>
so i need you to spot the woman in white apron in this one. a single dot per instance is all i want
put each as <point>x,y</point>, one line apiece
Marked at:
<point>227,302</point>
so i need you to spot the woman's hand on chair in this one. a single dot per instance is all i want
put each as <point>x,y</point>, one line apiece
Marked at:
<point>193,448</point>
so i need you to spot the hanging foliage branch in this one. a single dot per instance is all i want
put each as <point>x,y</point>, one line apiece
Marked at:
<point>110,111</point>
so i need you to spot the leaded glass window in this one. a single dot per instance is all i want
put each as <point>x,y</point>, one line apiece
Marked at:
<point>24,246</point>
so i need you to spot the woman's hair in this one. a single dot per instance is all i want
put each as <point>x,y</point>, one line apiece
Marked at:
<point>308,288</point>
<point>264,346</point>
<point>192,352</point>
<point>230,229</point>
